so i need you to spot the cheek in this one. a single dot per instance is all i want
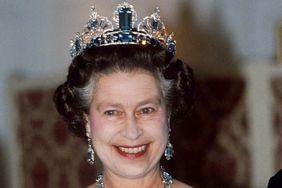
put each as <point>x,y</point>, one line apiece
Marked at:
<point>164,129</point>
<point>163,132</point>
<point>98,128</point>
<point>159,128</point>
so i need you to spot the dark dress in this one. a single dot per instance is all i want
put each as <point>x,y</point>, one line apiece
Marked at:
<point>276,180</point>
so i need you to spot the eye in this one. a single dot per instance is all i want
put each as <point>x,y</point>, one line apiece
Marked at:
<point>112,113</point>
<point>146,111</point>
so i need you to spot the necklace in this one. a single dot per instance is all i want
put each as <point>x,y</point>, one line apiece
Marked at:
<point>166,179</point>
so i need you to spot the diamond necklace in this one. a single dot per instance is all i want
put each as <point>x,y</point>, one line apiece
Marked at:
<point>166,179</point>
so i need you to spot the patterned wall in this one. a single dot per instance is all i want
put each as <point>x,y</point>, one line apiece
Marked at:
<point>211,145</point>
<point>51,157</point>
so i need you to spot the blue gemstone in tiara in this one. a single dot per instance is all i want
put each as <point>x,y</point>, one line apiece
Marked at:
<point>99,31</point>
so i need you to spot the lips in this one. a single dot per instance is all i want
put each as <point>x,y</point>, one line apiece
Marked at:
<point>132,152</point>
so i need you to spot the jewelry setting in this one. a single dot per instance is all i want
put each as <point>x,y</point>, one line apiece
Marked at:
<point>167,179</point>
<point>99,31</point>
<point>90,152</point>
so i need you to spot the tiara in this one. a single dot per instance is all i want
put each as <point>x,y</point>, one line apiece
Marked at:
<point>99,31</point>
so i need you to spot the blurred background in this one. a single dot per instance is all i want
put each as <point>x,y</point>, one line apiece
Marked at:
<point>232,138</point>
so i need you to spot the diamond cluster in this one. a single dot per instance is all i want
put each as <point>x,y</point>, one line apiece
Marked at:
<point>100,31</point>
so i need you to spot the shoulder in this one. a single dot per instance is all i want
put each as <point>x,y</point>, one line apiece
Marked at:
<point>179,184</point>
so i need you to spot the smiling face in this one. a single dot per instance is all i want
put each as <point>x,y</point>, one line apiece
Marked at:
<point>128,123</point>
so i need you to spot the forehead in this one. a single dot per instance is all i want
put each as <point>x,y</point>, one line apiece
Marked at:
<point>127,86</point>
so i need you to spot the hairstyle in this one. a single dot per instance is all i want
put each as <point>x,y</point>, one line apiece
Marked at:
<point>74,96</point>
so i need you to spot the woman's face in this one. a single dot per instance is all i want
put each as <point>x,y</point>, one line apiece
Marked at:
<point>128,123</point>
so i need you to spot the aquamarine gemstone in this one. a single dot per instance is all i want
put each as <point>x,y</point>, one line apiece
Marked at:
<point>125,19</point>
<point>156,25</point>
<point>77,45</point>
<point>169,151</point>
<point>125,37</point>
<point>153,42</point>
<point>92,23</point>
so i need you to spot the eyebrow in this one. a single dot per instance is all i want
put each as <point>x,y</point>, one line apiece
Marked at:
<point>108,104</point>
<point>154,100</point>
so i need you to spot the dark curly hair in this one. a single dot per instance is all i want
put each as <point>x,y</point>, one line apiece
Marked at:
<point>73,97</point>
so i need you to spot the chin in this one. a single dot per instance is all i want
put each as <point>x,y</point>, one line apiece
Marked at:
<point>137,168</point>
<point>134,172</point>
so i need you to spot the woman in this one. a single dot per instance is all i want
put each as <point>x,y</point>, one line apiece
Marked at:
<point>124,88</point>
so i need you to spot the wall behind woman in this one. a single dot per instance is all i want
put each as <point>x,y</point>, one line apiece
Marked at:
<point>34,39</point>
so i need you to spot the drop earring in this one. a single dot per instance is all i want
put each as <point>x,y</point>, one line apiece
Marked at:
<point>90,152</point>
<point>169,147</point>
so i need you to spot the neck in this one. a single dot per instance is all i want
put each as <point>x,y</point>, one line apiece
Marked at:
<point>151,179</point>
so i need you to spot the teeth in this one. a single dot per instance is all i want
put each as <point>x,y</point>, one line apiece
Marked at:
<point>132,150</point>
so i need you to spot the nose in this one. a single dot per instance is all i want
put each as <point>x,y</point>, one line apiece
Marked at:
<point>132,131</point>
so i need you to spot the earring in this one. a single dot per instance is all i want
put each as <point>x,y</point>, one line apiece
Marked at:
<point>169,148</point>
<point>90,152</point>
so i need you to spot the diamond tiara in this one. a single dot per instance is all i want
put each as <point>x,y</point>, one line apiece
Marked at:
<point>99,31</point>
